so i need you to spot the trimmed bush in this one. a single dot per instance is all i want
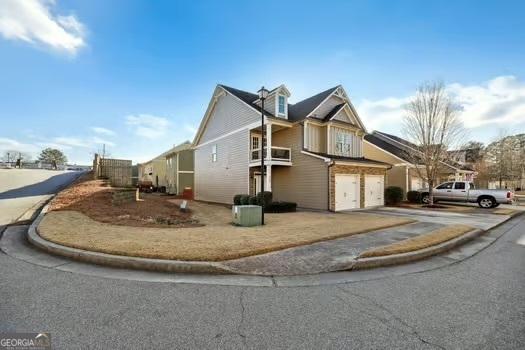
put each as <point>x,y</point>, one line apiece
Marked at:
<point>280,207</point>
<point>237,199</point>
<point>245,199</point>
<point>265,198</point>
<point>253,200</point>
<point>393,195</point>
<point>414,196</point>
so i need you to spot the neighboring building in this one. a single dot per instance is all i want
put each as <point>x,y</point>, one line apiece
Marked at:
<point>315,155</point>
<point>179,168</point>
<point>154,170</point>
<point>399,152</point>
<point>172,169</point>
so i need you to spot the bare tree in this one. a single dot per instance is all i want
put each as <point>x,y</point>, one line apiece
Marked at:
<point>13,155</point>
<point>431,122</point>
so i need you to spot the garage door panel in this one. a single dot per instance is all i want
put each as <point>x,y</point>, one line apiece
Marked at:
<point>374,190</point>
<point>346,192</point>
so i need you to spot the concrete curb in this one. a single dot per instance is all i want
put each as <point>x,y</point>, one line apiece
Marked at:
<point>403,258</point>
<point>159,265</point>
<point>202,267</point>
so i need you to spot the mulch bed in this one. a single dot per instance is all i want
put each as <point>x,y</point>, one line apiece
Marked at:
<point>94,199</point>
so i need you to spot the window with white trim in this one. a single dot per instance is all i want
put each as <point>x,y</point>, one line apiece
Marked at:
<point>281,108</point>
<point>343,143</point>
<point>214,153</point>
<point>255,142</point>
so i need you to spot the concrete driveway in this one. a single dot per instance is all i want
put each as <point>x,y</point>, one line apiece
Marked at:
<point>480,220</point>
<point>22,189</point>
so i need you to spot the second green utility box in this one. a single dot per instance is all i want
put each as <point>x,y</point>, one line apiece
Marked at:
<point>246,215</point>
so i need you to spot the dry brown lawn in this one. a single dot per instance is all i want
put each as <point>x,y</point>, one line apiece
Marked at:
<point>218,240</point>
<point>419,242</point>
<point>94,199</point>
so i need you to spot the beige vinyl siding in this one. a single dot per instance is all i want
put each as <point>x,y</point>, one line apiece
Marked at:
<point>356,143</point>
<point>185,180</point>
<point>219,181</point>
<point>397,176</point>
<point>327,106</point>
<point>269,104</point>
<point>171,173</point>
<point>306,181</point>
<point>186,162</point>
<point>372,152</point>
<point>228,114</point>
<point>315,138</point>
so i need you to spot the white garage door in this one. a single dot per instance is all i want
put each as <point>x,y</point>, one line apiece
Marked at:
<point>374,190</point>
<point>346,192</point>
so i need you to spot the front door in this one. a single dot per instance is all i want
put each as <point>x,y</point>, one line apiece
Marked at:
<point>346,192</point>
<point>257,183</point>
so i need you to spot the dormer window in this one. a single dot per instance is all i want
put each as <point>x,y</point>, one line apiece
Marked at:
<point>282,101</point>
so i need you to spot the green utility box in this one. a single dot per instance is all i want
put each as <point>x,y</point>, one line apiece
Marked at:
<point>247,215</point>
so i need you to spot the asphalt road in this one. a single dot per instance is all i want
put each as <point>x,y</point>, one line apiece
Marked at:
<point>21,189</point>
<point>478,303</point>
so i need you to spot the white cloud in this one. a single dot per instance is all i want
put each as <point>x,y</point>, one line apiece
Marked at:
<point>100,141</point>
<point>7,144</point>
<point>148,126</point>
<point>500,100</point>
<point>33,21</point>
<point>71,141</point>
<point>497,101</point>
<point>102,131</point>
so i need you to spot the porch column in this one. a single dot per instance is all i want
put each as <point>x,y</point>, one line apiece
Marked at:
<point>268,184</point>
<point>268,179</point>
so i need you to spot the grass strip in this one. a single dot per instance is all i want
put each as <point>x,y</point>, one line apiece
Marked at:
<point>419,242</point>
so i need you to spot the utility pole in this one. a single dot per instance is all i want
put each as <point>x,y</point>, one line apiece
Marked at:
<point>103,150</point>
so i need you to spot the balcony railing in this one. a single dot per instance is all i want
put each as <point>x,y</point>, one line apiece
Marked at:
<point>277,153</point>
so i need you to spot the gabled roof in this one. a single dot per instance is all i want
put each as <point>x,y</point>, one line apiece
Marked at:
<point>247,97</point>
<point>401,148</point>
<point>333,112</point>
<point>180,147</point>
<point>397,139</point>
<point>296,112</point>
<point>390,147</point>
<point>301,109</point>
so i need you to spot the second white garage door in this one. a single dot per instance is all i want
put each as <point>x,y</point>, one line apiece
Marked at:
<point>346,192</point>
<point>374,190</point>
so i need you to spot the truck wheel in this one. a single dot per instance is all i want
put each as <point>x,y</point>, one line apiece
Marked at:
<point>486,202</point>
<point>425,198</point>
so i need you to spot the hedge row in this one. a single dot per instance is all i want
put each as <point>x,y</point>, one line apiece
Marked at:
<point>265,199</point>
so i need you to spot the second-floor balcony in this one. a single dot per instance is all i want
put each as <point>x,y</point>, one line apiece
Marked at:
<point>278,156</point>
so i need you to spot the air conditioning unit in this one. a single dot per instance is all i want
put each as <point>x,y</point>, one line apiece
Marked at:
<point>246,215</point>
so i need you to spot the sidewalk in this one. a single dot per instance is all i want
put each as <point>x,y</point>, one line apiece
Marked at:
<point>334,255</point>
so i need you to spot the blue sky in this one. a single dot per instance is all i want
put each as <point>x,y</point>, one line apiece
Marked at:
<point>138,75</point>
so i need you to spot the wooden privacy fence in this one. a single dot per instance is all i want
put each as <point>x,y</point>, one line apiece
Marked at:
<point>118,171</point>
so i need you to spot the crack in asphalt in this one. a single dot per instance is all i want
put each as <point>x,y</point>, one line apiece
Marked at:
<point>241,321</point>
<point>412,330</point>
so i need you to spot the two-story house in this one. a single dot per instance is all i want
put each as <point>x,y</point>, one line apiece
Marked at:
<point>313,150</point>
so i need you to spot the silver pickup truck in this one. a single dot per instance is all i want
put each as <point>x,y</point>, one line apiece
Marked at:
<point>464,191</point>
